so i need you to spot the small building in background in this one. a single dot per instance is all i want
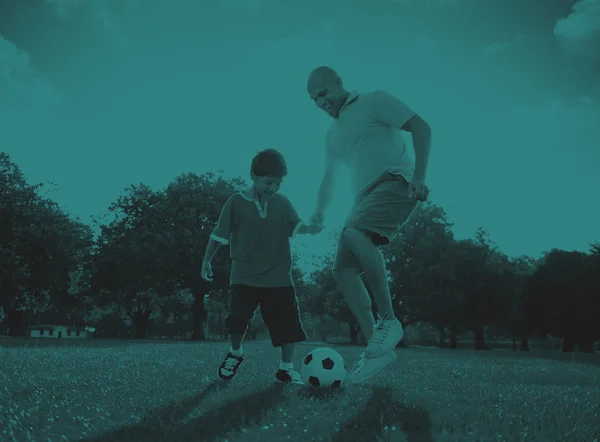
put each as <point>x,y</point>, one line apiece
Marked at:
<point>60,332</point>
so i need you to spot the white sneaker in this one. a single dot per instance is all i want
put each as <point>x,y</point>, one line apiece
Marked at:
<point>386,335</point>
<point>368,367</point>
<point>290,376</point>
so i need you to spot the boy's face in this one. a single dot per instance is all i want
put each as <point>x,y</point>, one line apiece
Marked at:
<point>266,186</point>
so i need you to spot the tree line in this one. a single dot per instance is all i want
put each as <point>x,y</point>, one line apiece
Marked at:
<point>136,271</point>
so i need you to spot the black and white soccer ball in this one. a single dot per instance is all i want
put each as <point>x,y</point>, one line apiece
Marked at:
<point>323,367</point>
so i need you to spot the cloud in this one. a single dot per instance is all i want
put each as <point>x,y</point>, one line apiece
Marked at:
<point>579,33</point>
<point>104,15</point>
<point>519,41</point>
<point>20,85</point>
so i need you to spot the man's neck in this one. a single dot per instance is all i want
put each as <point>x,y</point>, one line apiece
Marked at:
<point>346,97</point>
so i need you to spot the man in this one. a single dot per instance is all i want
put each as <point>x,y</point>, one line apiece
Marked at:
<point>366,136</point>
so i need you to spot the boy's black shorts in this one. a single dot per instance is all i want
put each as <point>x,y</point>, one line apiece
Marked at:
<point>279,309</point>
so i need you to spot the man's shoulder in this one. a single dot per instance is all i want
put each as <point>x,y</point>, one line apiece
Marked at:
<point>366,99</point>
<point>375,95</point>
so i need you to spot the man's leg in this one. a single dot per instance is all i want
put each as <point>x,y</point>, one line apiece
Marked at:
<point>373,265</point>
<point>346,272</point>
<point>357,298</point>
<point>388,331</point>
<point>379,213</point>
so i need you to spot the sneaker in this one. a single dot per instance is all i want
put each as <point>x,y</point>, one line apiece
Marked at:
<point>290,376</point>
<point>386,335</point>
<point>229,366</point>
<point>368,367</point>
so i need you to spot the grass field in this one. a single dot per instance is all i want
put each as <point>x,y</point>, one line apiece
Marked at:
<point>170,392</point>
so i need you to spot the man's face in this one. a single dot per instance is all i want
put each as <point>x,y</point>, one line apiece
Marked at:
<point>327,94</point>
<point>266,186</point>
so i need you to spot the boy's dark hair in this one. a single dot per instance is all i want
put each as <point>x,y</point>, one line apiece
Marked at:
<point>270,163</point>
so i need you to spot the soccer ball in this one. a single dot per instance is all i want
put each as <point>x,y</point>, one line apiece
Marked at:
<point>323,367</point>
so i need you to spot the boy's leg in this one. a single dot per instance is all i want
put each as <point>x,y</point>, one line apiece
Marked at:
<point>287,352</point>
<point>243,304</point>
<point>244,301</point>
<point>279,308</point>
<point>236,341</point>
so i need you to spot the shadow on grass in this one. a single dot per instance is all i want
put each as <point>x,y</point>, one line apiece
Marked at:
<point>381,411</point>
<point>167,424</point>
<point>323,394</point>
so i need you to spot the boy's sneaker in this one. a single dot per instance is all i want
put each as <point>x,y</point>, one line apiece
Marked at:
<point>290,376</point>
<point>368,367</point>
<point>229,366</point>
<point>386,335</point>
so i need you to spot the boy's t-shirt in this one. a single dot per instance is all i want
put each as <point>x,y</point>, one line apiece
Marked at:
<point>259,239</point>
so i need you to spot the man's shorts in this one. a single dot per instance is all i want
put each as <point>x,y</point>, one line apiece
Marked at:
<point>380,211</point>
<point>279,309</point>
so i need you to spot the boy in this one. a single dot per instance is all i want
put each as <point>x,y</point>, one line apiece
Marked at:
<point>259,223</point>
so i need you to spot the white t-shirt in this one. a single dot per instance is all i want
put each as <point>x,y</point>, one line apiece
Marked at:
<point>366,137</point>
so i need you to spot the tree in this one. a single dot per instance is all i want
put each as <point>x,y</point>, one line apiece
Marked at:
<point>480,277</point>
<point>40,247</point>
<point>519,269</point>
<point>193,204</point>
<point>326,300</point>
<point>421,265</point>
<point>562,298</point>
<point>135,252</point>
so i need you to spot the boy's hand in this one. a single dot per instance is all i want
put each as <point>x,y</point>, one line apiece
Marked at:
<point>206,272</point>
<point>315,228</point>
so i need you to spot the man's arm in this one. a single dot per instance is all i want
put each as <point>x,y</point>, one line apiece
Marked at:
<point>393,112</point>
<point>325,193</point>
<point>421,135</point>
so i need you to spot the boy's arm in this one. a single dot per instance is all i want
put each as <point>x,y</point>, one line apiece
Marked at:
<point>211,249</point>
<point>294,224</point>
<point>301,228</point>
<point>220,236</point>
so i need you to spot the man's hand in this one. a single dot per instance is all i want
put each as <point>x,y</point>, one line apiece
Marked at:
<point>314,228</point>
<point>317,218</point>
<point>206,272</point>
<point>316,223</point>
<point>418,190</point>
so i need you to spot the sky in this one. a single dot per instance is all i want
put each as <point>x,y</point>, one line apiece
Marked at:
<point>97,96</point>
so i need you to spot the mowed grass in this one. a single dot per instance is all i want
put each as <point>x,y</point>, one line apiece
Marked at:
<point>170,392</point>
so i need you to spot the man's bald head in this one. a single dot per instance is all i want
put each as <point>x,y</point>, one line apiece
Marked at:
<point>326,89</point>
<point>323,75</point>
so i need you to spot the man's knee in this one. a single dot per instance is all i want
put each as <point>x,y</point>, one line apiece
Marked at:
<point>352,235</point>
<point>343,276</point>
